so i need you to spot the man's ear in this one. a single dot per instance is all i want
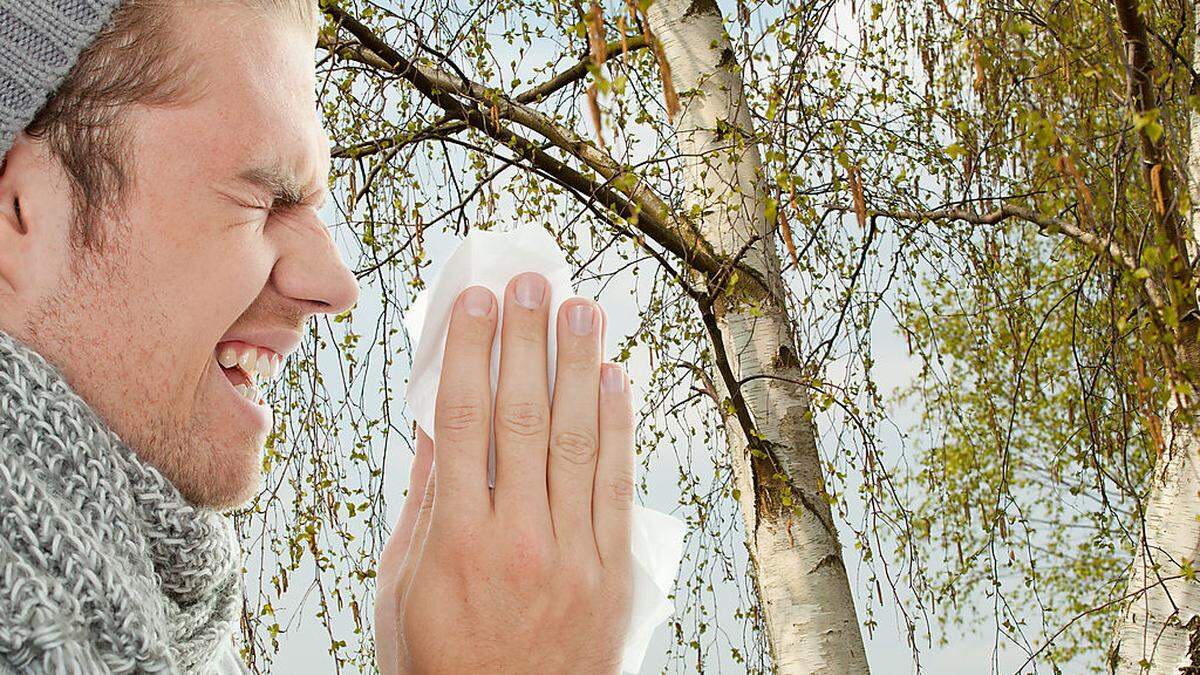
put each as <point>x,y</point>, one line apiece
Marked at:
<point>12,225</point>
<point>27,212</point>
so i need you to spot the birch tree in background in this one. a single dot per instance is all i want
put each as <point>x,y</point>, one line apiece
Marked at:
<point>993,191</point>
<point>660,207</point>
<point>801,578</point>
<point>1072,124</point>
<point>725,252</point>
<point>1160,629</point>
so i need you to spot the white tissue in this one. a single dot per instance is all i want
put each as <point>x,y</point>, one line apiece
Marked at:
<point>491,259</point>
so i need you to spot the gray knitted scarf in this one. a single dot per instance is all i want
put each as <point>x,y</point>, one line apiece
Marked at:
<point>104,566</point>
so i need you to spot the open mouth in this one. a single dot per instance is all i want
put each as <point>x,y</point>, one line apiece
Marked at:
<point>249,368</point>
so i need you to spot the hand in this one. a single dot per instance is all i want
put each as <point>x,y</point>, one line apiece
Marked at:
<point>534,577</point>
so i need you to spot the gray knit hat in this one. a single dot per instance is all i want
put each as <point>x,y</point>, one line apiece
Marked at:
<point>40,40</point>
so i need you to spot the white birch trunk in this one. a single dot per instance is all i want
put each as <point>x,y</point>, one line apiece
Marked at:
<point>1159,632</point>
<point>1160,629</point>
<point>800,576</point>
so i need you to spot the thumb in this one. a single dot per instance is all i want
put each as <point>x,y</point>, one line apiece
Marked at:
<point>418,479</point>
<point>418,531</point>
<point>389,572</point>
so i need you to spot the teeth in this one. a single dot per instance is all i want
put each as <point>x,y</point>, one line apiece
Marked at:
<point>227,357</point>
<point>259,365</point>
<point>263,366</point>
<point>246,361</point>
<point>248,392</point>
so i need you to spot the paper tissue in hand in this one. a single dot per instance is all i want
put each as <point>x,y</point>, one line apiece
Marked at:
<point>491,259</point>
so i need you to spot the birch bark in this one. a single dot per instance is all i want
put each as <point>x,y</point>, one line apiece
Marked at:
<point>1159,631</point>
<point>1160,628</point>
<point>800,575</point>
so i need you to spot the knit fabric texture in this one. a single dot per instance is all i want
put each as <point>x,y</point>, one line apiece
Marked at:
<point>40,40</point>
<point>104,566</point>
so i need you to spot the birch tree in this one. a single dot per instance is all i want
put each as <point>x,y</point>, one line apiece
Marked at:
<point>1095,102</point>
<point>1160,629</point>
<point>721,238</point>
<point>1000,183</point>
<point>702,220</point>
<point>798,565</point>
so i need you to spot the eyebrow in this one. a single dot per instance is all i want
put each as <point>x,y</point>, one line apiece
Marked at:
<point>286,191</point>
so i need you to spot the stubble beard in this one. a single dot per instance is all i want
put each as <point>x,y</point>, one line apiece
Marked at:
<point>211,474</point>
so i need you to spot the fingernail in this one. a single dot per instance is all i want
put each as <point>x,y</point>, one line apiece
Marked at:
<point>612,379</point>
<point>580,318</point>
<point>478,301</point>
<point>530,290</point>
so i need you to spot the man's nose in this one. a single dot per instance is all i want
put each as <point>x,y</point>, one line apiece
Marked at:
<point>310,270</point>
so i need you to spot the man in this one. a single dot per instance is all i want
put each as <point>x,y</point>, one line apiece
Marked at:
<point>160,253</point>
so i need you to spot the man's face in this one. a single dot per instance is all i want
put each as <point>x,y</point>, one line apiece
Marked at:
<point>200,267</point>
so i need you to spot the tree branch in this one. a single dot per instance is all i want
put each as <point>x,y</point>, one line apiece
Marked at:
<point>1102,246</point>
<point>439,129</point>
<point>1180,58</point>
<point>1105,247</point>
<point>579,70</point>
<point>1143,96</point>
<point>631,198</point>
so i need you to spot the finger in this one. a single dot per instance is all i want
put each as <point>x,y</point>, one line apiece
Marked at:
<point>463,410</point>
<point>612,498</point>
<point>573,425</point>
<point>417,478</point>
<point>396,549</point>
<point>391,561</point>
<point>424,512</point>
<point>522,417</point>
<point>420,535</point>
